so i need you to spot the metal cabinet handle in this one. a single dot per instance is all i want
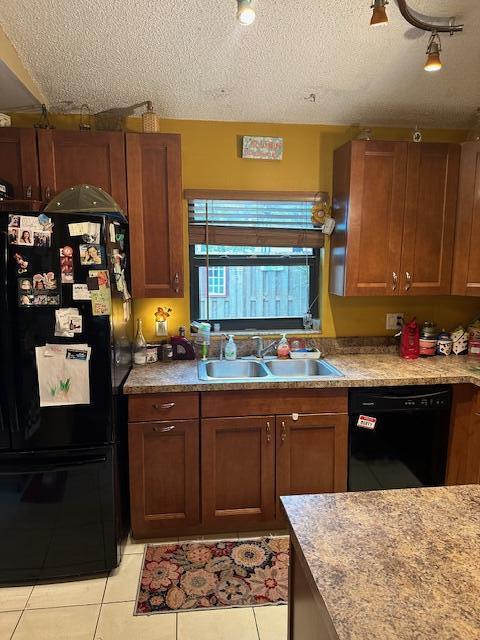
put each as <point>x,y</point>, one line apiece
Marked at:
<point>167,405</point>
<point>164,429</point>
<point>47,193</point>
<point>408,283</point>
<point>28,192</point>
<point>284,432</point>
<point>269,436</point>
<point>394,280</point>
<point>176,283</point>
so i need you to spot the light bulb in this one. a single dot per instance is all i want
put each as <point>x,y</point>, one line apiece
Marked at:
<point>245,13</point>
<point>433,62</point>
<point>379,14</point>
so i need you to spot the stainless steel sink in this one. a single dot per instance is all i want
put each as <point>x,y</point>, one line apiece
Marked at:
<point>236,369</point>
<point>301,368</point>
<point>269,370</point>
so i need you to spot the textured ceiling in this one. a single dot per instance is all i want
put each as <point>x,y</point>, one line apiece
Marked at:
<point>194,60</point>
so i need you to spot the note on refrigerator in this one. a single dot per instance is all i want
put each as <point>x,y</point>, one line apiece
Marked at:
<point>63,374</point>
<point>101,296</point>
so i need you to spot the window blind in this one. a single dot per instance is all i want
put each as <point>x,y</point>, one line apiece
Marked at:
<point>252,223</point>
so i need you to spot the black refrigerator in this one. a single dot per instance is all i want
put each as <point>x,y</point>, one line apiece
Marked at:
<point>63,466</point>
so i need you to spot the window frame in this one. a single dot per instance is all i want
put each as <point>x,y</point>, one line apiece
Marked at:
<point>196,262</point>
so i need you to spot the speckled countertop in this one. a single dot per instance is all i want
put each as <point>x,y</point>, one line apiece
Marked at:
<point>394,565</point>
<point>359,370</point>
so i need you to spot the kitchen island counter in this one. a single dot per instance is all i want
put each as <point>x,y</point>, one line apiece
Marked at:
<point>385,565</point>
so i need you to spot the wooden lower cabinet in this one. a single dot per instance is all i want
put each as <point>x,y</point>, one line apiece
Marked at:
<point>311,454</point>
<point>194,472</point>
<point>464,447</point>
<point>164,476</point>
<point>238,470</point>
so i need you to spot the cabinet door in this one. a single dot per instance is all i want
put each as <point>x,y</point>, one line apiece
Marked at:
<point>466,263</point>
<point>164,462</point>
<point>368,203</point>
<point>463,465</point>
<point>155,212</point>
<point>68,158</point>
<point>311,454</point>
<point>238,457</point>
<point>429,230</point>
<point>19,161</point>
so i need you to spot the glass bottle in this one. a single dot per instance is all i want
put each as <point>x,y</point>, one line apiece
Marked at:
<point>139,346</point>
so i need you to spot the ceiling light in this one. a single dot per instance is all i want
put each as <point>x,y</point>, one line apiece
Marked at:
<point>245,12</point>
<point>433,62</point>
<point>379,14</point>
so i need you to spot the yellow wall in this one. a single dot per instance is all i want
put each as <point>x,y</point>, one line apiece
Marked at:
<point>210,159</point>
<point>11,58</point>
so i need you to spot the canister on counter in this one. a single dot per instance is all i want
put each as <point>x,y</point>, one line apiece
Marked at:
<point>473,358</point>
<point>444,344</point>
<point>166,352</point>
<point>152,352</point>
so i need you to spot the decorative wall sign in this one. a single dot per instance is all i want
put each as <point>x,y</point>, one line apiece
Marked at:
<point>262,148</point>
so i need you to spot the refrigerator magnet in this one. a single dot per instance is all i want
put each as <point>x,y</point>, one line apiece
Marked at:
<point>22,263</point>
<point>92,255</point>
<point>45,290</point>
<point>25,292</point>
<point>92,284</point>
<point>80,291</point>
<point>29,231</point>
<point>45,222</point>
<point>66,264</point>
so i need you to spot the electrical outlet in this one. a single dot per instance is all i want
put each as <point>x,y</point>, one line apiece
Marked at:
<point>394,321</point>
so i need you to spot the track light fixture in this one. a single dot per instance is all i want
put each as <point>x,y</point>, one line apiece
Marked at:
<point>433,62</point>
<point>438,25</point>
<point>379,13</point>
<point>245,12</point>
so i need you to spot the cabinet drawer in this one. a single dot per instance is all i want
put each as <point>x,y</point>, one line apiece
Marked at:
<point>163,406</point>
<point>267,402</point>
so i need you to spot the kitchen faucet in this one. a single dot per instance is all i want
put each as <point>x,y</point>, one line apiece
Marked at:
<point>262,351</point>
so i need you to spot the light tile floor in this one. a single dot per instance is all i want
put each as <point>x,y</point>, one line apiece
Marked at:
<point>101,608</point>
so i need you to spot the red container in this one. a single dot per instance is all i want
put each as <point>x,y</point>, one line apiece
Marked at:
<point>410,340</point>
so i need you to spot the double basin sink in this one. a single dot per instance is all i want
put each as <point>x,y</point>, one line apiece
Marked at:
<point>267,370</point>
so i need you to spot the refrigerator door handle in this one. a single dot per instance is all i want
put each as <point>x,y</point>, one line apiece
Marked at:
<point>9,421</point>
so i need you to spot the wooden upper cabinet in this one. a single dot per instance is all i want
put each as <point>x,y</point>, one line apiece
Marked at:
<point>430,209</point>
<point>238,461</point>
<point>368,205</point>
<point>312,454</point>
<point>164,460</point>
<point>155,213</point>
<point>395,206</point>
<point>68,158</point>
<point>466,263</point>
<point>19,162</point>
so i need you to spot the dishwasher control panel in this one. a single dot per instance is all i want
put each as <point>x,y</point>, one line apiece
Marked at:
<point>400,399</point>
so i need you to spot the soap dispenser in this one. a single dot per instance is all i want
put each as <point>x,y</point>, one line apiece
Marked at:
<point>230,349</point>
<point>283,348</point>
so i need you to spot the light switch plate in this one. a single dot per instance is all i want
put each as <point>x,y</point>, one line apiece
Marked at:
<point>394,321</point>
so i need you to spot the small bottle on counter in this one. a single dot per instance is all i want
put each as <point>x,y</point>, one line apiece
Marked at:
<point>139,346</point>
<point>230,349</point>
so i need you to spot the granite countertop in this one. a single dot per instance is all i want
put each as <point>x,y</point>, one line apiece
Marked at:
<point>359,370</point>
<point>394,565</point>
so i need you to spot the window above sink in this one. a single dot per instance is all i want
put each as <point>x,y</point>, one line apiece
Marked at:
<point>254,263</point>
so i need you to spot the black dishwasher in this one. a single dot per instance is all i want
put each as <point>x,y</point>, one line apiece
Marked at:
<point>398,437</point>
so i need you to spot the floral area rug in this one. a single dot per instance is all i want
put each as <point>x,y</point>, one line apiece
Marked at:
<point>207,575</point>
